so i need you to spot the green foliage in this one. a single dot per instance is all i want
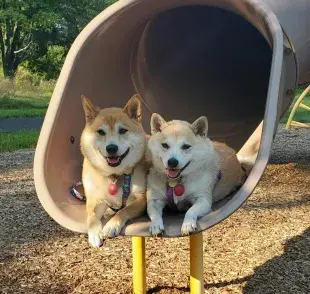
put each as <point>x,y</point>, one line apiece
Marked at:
<point>27,95</point>
<point>28,29</point>
<point>48,66</point>
<point>26,84</point>
<point>19,23</point>
<point>77,14</point>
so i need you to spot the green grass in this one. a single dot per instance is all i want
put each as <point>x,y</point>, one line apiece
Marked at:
<point>27,112</point>
<point>25,96</point>
<point>16,106</point>
<point>18,140</point>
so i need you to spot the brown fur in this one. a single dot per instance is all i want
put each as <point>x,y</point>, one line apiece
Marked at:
<point>97,175</point>
<point>232,172</point>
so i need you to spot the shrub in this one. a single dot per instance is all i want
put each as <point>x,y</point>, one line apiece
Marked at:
<point>48,66</point>
<point>25,84</point>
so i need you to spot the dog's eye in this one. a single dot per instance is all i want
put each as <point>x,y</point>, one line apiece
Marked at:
<point>165,145</point>
<point>101,132</point>
<point>122,131</point>
<point>186,147</point>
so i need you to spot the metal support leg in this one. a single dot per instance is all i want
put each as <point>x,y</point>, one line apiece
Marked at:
<point>296,105</point>
<point>138,264</point>
<point>196,264</point>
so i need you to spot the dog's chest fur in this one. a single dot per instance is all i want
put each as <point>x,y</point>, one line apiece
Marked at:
<point>200,183</point>
<point>194,186</point>
<point>116,201</point>
<point>97,187</point>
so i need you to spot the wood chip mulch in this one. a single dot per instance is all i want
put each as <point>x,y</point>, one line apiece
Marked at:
<point>263,248</point>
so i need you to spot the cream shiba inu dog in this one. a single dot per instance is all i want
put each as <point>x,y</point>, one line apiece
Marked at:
<point>113,143</point>
<point>188,172</point>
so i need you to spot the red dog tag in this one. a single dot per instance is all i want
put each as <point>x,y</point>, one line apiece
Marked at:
<point>178,190</point>
<point>113,189</point>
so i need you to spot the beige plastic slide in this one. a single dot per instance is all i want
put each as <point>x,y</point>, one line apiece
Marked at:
<point>236,61</point>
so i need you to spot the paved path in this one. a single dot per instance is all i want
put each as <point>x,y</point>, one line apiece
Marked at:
<point>20,124</point>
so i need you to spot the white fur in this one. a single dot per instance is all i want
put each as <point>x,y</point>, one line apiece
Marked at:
<point>198,178</point>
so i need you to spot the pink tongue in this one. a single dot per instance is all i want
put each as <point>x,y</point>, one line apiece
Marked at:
<point>172,173</point>
<point>113,159</point>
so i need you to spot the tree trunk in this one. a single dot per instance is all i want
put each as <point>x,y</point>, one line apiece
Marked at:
<point>8,47</point>
<point>9,67</point>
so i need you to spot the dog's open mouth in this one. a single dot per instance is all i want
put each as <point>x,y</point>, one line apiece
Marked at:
<point>115,161</point>
<point>175,173</point>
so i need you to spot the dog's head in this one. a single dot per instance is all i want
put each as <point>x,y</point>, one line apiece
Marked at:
<point>113,139</point>
<point>177,147</point>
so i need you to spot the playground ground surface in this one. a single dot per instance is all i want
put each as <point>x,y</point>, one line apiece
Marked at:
<point>262,248</point>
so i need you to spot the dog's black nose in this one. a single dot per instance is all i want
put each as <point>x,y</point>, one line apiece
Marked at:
<point>112,149</point>
<point>173,162</point>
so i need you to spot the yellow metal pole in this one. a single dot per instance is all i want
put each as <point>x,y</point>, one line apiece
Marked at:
<point>301,105</point>
<point>196,264</point>
<point>299,124</point>
<point>138,264</point>
<point>296,105</point>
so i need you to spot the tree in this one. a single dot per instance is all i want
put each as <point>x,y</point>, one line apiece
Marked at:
<point>29,27</point>
<point>49,65</point>
<point>19,22</point>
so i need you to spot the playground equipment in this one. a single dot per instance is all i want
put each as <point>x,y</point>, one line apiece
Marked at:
<point>298,104</point>
<point>236,61</point>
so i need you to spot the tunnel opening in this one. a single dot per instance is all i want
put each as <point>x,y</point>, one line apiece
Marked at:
<point>203,60</point>
<point>185,62</point>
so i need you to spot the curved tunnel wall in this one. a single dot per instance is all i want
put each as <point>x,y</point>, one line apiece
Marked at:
<point>295,22</point>
<point>146,46</point>
<point>209,61</point>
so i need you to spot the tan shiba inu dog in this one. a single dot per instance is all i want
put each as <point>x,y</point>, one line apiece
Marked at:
<point>113,143</point>
<point>188,171</point>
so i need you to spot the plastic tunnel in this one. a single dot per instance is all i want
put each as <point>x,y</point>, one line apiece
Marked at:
<point>236,61</point>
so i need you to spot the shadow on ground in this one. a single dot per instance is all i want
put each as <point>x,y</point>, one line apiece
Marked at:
<point>24,221</point>
<point>305,201</point>
<point>171,289</point>
<point>287,273</point>
<point>58,288</point>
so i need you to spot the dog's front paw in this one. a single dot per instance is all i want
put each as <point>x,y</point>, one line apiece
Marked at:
<point>157,228</point>
<point>189,226</point>
<point>94,238</point>
<point>94,231</point>
<point>112,228</point>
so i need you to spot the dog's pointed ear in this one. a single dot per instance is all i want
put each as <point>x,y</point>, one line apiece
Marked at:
<point>133,108</point>
<point>200,126</point>
<point>157,123</point>
<point>90,110</point>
